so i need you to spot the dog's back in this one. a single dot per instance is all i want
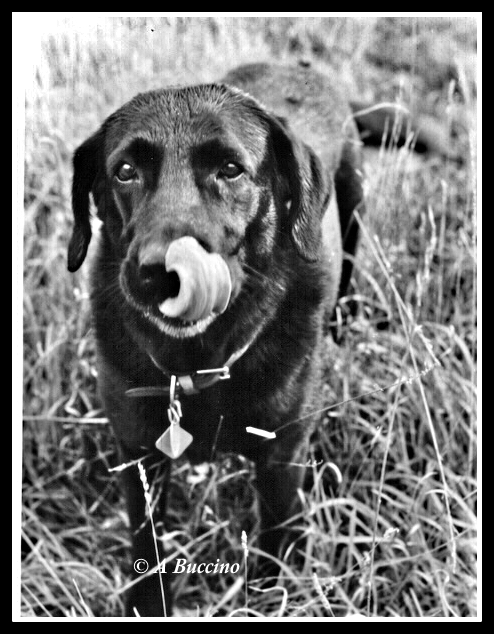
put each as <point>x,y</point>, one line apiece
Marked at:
<point>314,105</point>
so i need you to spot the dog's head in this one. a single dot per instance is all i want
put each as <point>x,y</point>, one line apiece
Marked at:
<point>195,186</point>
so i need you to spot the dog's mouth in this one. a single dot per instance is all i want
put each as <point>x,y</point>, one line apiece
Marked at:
<point>177,328</point>
<point>149,308</point>
<point>170,326</point>
<point>183,293</point>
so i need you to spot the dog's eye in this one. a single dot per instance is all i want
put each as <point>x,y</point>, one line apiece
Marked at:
<point>230,170</point>
<point>126,172</point>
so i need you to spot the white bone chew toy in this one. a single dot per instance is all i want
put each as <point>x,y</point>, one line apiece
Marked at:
<point>205,282</point>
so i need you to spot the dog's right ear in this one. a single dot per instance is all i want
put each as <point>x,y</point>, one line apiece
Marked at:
<point>86,167</point>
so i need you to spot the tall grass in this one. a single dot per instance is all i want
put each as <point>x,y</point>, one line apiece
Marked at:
<point>397,536</point>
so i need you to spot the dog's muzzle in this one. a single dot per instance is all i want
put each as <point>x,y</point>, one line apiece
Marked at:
<point>186,282</point>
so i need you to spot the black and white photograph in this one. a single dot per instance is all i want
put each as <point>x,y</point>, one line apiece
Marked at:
<point>245,283</point>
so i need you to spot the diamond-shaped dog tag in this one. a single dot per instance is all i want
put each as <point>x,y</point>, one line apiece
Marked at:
<point>174,441</point>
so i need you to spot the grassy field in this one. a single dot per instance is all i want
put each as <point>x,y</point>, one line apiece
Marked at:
<point>397,536</point>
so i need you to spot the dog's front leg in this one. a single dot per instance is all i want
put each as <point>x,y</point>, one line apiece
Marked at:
<point>277,485</point>
<point>150,594</point>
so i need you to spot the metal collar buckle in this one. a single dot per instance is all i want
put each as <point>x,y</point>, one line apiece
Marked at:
<point>186,384</point>
<point>224,372</point>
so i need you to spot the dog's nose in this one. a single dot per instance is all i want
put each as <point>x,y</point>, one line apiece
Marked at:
<point>183,280</point>
<point>156,283</point>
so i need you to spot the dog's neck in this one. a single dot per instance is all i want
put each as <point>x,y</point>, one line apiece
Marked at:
<point>191,382</point>
<point>195,381</point>
<point>175,440</point>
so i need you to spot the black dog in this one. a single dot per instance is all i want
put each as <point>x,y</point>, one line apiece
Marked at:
<point>267,187</point>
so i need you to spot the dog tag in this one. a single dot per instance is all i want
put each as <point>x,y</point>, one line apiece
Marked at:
<point>174,441</point>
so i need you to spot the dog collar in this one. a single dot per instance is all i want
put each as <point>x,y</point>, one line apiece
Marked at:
<point>191,383</point>
<point>175,440</point>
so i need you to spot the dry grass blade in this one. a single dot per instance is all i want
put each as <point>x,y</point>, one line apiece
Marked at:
<point>410,329</point>
<point>149,504</point>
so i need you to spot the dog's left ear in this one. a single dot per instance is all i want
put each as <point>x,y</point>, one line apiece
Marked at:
<point>305,185</point>
<point>86,164</point>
